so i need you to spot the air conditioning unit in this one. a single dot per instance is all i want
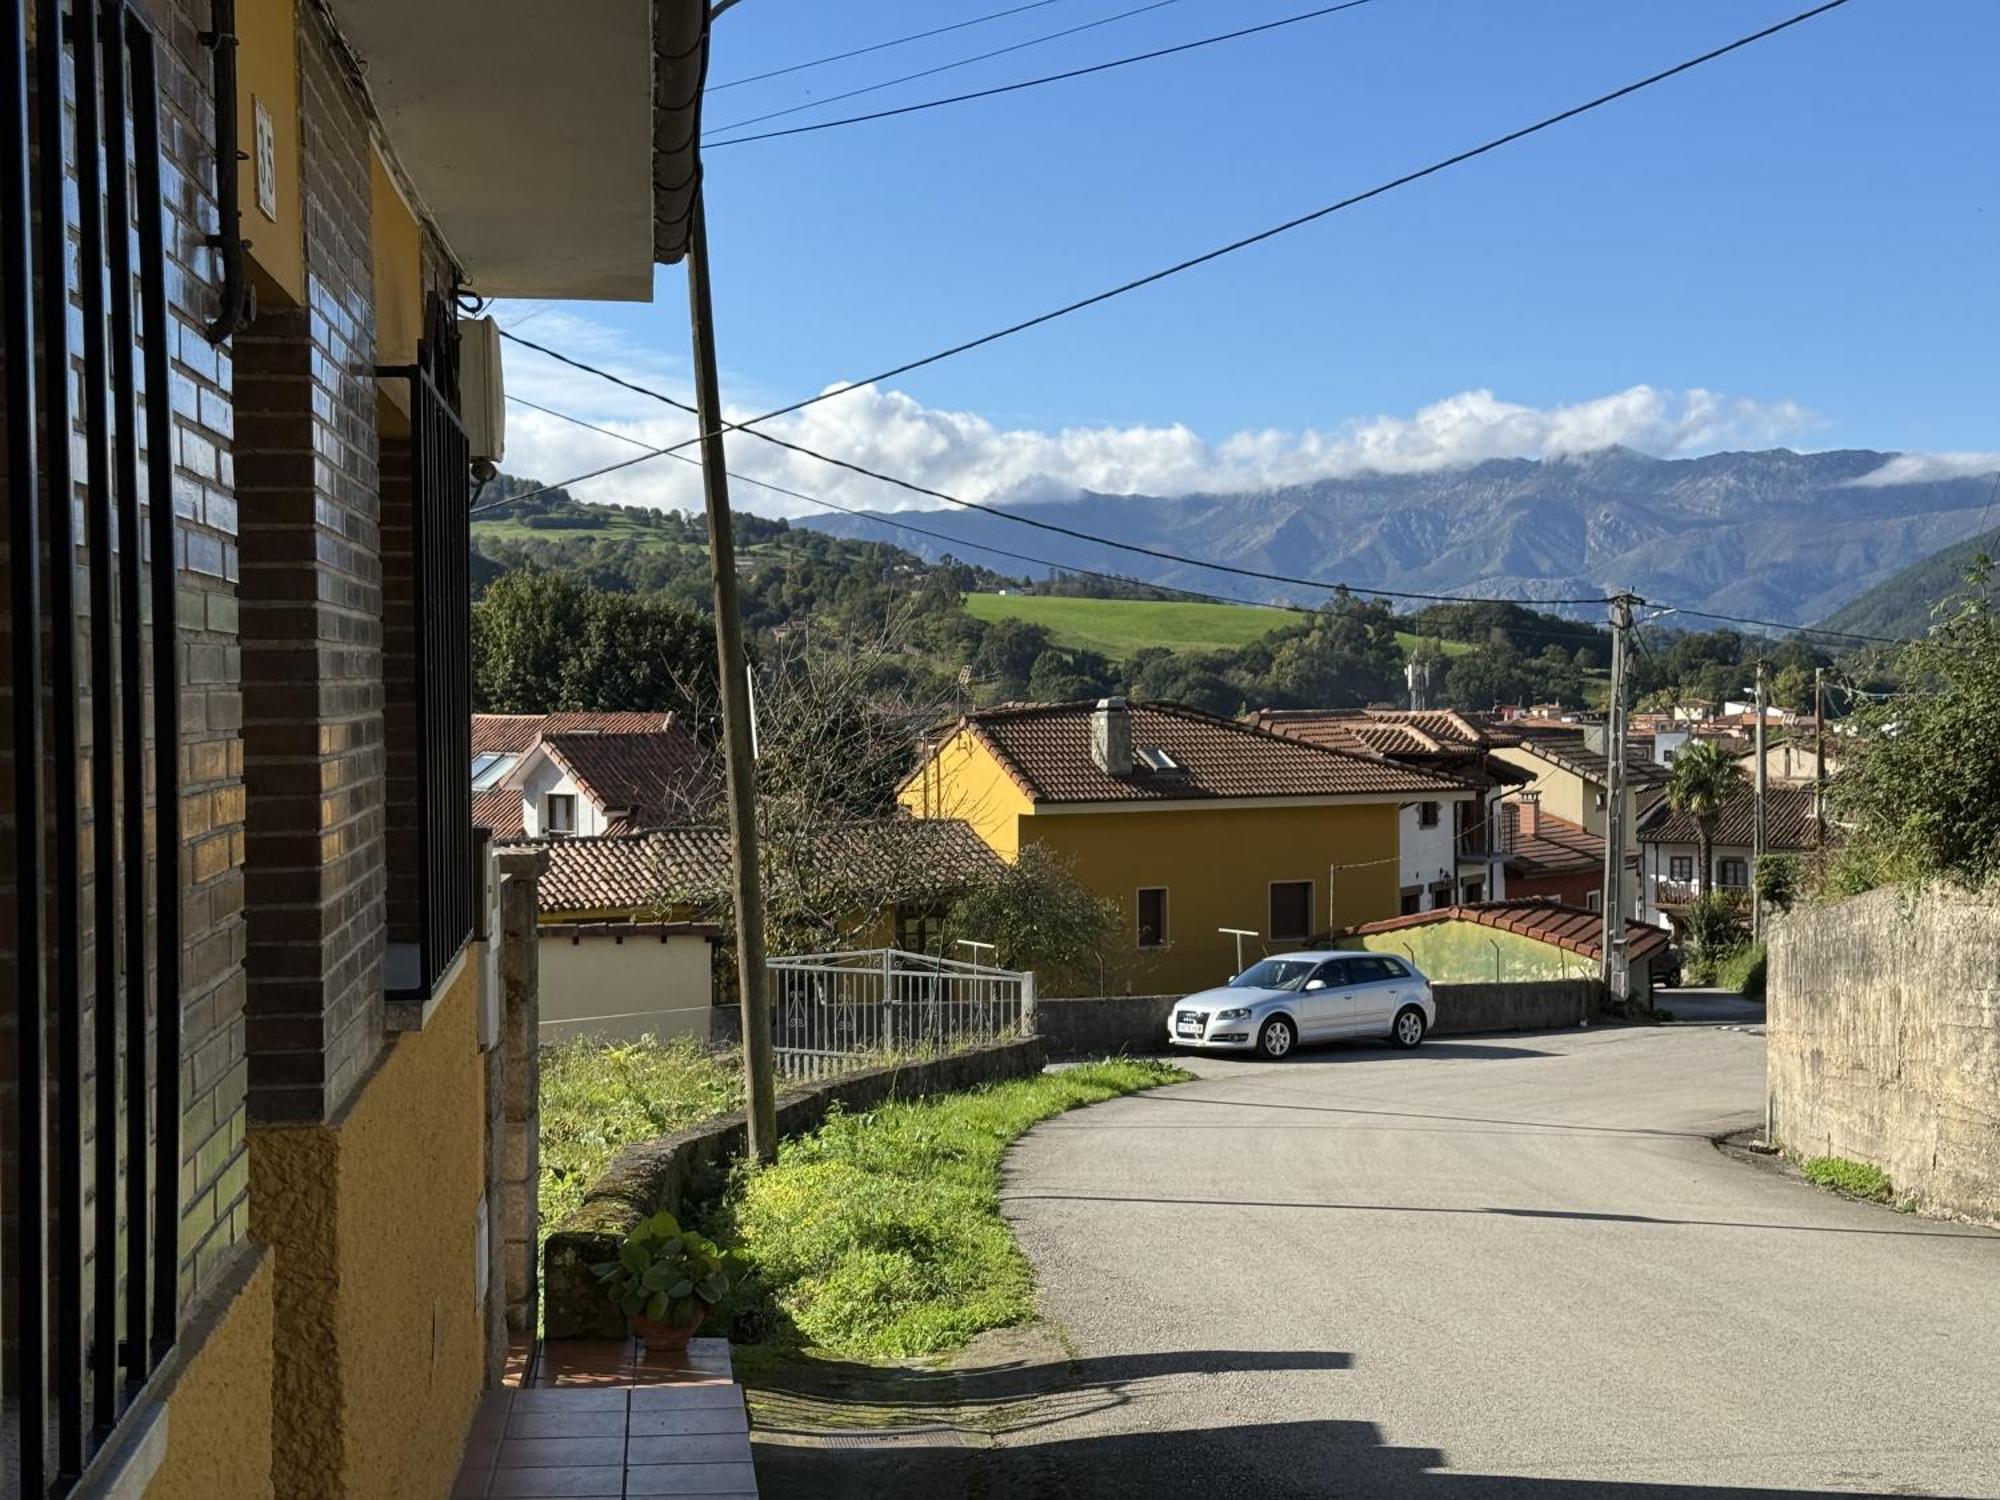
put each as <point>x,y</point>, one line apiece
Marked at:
<point>482,393</point>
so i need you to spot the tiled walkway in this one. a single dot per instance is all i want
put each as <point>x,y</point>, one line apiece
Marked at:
<point>611,1420</point>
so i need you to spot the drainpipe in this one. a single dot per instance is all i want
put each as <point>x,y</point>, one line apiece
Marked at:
<point>239,298</point>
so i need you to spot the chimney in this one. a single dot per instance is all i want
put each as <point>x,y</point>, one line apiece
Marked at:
<point>1531,815</point>
<point>1111,737</point>
<point>1594,738</point>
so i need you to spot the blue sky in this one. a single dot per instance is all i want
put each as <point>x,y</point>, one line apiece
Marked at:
<point>1803,235</point>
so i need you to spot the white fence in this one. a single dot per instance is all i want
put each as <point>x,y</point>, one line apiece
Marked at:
<point>832,1011</point>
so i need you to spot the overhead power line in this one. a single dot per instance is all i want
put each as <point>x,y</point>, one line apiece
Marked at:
<point>897,41</point>
<point>1289,225</point>
<point>963,62</point>
<point>1036,522</point>
<point>1848,635</point>
<point>1047,78</point>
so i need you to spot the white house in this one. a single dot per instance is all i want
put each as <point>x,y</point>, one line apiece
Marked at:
<point>1670,847</point>
<point>568,775</point>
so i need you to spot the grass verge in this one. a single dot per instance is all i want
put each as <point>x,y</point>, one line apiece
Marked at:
<point>1743,971</point>
<point>597,1097</point>
<point>880,1235</point>
<point>1856,1179</point>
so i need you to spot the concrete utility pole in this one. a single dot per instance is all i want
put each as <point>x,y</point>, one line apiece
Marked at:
<point>1617,973</point>
<point>1757,839</point>
<point>739,755</point>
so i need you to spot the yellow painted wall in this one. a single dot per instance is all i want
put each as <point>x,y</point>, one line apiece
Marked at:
<point>379,1358</point>
<point>964,780</point>
<point>219,1408</point>
<point>1473,953</point>
<point>1564,793</point>
<point>1217,865</point>
<point>397,245</point>
<point>267,71</point>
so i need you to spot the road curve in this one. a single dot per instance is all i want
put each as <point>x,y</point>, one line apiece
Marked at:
<point>1501,1267</point>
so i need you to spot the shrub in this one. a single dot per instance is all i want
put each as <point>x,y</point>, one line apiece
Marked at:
<point>1743,971</point>
<point>1779,878</point>
<point>1712,931</point>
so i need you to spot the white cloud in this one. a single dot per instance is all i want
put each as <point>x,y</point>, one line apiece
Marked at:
<point>1920,468</point>
<point>970,457</point>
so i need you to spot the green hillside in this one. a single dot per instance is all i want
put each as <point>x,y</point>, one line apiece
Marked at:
<point>1902,605</point>
<point>1119,627</point>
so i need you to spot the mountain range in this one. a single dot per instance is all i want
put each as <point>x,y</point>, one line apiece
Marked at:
<point>1779,535</point>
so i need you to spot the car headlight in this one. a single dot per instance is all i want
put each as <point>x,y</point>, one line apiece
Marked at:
<point>1241,1013</point>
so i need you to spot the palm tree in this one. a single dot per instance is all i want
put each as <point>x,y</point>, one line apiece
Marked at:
<point>1704,778</point>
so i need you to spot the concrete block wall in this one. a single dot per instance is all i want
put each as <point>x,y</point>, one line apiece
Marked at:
<point>1883,1045</point>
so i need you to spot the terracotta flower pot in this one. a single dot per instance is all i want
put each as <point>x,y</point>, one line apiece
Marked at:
<point>665,1338</point>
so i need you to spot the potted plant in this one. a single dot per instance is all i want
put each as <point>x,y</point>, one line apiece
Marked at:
<point>665,1280</point>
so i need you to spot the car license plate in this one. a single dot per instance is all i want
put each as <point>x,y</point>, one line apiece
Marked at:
<point>1190,1026</point>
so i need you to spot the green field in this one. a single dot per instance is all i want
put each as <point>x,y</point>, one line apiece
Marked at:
<point>614,529</point>
<point>1119,627</point>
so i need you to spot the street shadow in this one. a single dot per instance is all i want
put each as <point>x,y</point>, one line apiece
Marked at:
<point>1581,1215</point>
<point>1310,1460</point>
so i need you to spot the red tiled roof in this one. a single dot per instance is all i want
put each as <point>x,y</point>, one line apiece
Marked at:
<point>1557,847</point>
<point>1045,747</point>
<point>876,863</point>
<point>1568,927</point>
<point>517,734</point>
<point>499,810</point>
<point>640,780</point>
<point>1788,821</point>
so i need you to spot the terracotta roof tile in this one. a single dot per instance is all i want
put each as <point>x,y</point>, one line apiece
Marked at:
<point>1788,819</point>
<point>1558,846</point>
<point>517,734</point>
<point>640,780</point>
<point>873,864</point>
<point>1046,747</point>
<point>1568,927</point>
<point>498,810</point>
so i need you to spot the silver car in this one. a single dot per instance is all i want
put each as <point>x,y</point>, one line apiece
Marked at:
<point>1274,1005</point>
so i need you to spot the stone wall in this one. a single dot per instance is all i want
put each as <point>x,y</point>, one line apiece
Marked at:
<point>1883,1016</point>
<point>675,1170</point>
<point>1111,1024</point>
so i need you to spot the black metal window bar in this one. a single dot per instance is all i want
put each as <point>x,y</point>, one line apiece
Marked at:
<point>441,543</point>
<point>92,1263</point>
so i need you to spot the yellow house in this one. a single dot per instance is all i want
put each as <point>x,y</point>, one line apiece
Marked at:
<point>1193,824</point>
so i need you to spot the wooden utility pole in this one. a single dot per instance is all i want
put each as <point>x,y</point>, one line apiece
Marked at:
<point>1819,757</point>
<point>1757,832</point>
<point>759,1089</point>
<point>1617,972</point>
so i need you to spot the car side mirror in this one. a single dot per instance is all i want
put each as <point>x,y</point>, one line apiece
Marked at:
<point>1315,984</point>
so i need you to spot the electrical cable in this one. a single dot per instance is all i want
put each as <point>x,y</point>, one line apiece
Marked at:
<point>1158,554</point>
<point>1273,231</point>
<point>1046,78</point>
<point>915,36</point>
<point>963,62</point>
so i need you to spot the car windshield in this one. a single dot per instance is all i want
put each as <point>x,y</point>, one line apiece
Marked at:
<point>1275,974</point>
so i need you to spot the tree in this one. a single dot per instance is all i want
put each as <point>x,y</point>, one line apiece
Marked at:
<point>543,642</point>
<point>1915,797</point>
<point>1039,916</point>
<point>1703,780</point>
<point>1792,688</point>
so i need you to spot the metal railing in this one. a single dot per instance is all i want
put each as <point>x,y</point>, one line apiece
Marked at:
<point>832,1012</point>
<point>91,1264</point>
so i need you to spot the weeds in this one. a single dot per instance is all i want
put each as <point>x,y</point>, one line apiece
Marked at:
<point>1854,1179</point>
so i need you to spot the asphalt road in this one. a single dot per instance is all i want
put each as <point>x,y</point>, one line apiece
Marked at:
<point>1499,1267</point>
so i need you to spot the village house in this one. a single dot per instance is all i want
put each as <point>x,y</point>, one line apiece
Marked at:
<point>1448,852</point>
<point>268,1226</point>
<point>1191,824</point>
<point>1670,847</point>
<point>629,921</point>
<point>1569,775</point>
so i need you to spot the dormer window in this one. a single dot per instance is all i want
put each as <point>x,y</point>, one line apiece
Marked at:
<point>559,813</point>
<point>1156,759</point>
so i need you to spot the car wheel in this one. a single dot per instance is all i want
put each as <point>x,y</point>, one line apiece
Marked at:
<point>1409,1028</point>
<point>1277,1038</point>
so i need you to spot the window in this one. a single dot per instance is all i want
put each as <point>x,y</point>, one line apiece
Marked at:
<point>1153,917</point>
<point>1334,973</point>
<point>1156,759</point>
<point>559,813</point>
<point>921,930</point>
<point>1680,867</point>
<point>1427,815</point>
<point>1735,874</point>
<point>1371,970</point>
<point>1397,968</point>
<point>1291,909</point>
<point>490,768</point>
<point>1595,901</point>
<point>1413,902</point>
<point>1475,890</point>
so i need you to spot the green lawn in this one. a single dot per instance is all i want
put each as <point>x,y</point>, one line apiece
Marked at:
<point>597,1097</point>
<point>880,1234</point>
<point>1119,627</point>
<point>614,529</point>
<point>1409,642</point>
